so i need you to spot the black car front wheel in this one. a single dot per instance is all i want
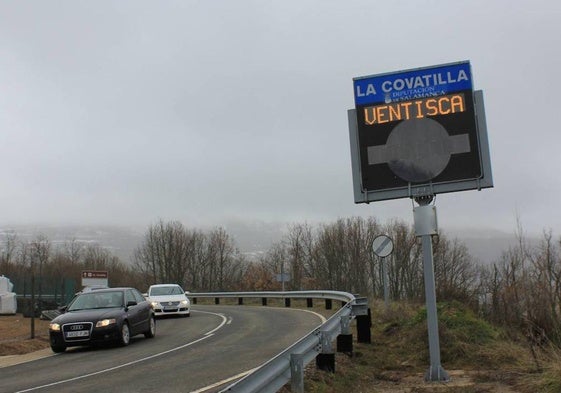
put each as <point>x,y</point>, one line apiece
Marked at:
<point>151,332</point>
<point>58,348</point>
<point>125,337</point>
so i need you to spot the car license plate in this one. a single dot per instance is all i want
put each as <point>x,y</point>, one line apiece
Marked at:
<point>79,333</point>
<point>170,308</point>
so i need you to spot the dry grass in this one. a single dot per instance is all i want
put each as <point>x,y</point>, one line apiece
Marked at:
<point>15,335</point>
<point>478,357</point>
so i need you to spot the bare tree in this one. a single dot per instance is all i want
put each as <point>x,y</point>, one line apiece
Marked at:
<point>171,253</point>
<point>455,273</point>
<point>273,262</point>
<point>299,246</point>
<point>224,260</point>
<point>8,255</point>
<point>543,297</point>
<point>197,262</point>
<point>73,251</point>
<point>405,269</point>
<point>257,278</point>
<point>330,258</point>
<point>40,250</point>
<point>8,249</point>
<point>359,237</point>
<point>163,253</point>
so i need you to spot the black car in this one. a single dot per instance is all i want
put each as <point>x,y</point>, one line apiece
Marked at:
<point>103,315</point>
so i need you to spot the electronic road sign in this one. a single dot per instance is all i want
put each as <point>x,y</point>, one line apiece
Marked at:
<point>418,132</point>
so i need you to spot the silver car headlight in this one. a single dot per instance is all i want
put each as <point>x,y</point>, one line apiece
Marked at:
<point>105,322</point>
<point>185,302</point>
<point>155,304</point>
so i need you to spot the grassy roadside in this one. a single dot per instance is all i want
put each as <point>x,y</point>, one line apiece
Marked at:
<point>479,357</point>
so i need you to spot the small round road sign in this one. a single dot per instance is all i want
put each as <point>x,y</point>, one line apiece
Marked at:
<point>382,246</point>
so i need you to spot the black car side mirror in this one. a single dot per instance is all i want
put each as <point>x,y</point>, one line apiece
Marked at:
<point>131,303</point>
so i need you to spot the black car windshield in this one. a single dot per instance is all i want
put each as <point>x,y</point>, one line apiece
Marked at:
<point>94,300</point>
<point>166,290</point>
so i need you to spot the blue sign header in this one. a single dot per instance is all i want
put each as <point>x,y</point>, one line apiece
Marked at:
<point>412,84</point>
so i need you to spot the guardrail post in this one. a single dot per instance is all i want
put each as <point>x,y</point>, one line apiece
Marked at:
<point>363,324</point>
<point>194,300</point>
<point>345,344</point>
<point>345,339</point>
<point>296,373</point>
<point>287,302</point>
<point>346,324</point>
<point>263,301</point>
<point>328,304</point>
<point>216,300</point>
<point>326,359</point>
<point>240,301</point>
<point>309,302</point>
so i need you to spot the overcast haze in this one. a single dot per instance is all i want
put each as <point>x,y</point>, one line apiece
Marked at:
<point>126,112</point>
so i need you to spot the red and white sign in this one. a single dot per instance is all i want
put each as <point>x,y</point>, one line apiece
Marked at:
<point>95,274</point>
<point>95,277</point>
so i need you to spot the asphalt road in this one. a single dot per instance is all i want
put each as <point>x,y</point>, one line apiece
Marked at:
<point>196,354</point>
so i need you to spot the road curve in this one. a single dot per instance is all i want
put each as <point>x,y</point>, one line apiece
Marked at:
<point>193,354</point>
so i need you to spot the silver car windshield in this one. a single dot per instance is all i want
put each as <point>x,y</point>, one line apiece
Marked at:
<point>167,290</point>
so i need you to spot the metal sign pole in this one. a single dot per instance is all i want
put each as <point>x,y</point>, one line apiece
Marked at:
<point>382,246</point>
<point>386,285</point>
<point>425,227</point>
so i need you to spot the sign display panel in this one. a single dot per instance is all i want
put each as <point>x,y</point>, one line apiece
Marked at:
<point>415,130</point>
<point>95,277</point>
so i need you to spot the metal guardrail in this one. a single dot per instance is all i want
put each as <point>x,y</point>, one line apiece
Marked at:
<point>288,366</point>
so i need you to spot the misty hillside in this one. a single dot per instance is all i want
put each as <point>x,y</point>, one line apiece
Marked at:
<point>485,245</point>
<point>251,238</point>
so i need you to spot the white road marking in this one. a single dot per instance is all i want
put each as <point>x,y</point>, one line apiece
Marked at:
<point>206,335</point>
<point>241,375</point>
<point>321,317</point>
<point>224,381</point>
<point>225,321</point>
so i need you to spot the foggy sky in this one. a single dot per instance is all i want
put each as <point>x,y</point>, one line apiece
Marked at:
<point>126,112</point>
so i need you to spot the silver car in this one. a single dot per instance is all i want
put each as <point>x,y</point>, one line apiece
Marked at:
<point>169,299</point>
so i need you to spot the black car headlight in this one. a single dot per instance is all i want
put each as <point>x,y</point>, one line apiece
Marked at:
<point>55,327</point>
<point>105,322</point>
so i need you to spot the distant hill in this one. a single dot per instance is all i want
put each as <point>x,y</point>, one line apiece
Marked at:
<point>485,245</point>
<point>252,238</point>
<point>120,241</point>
